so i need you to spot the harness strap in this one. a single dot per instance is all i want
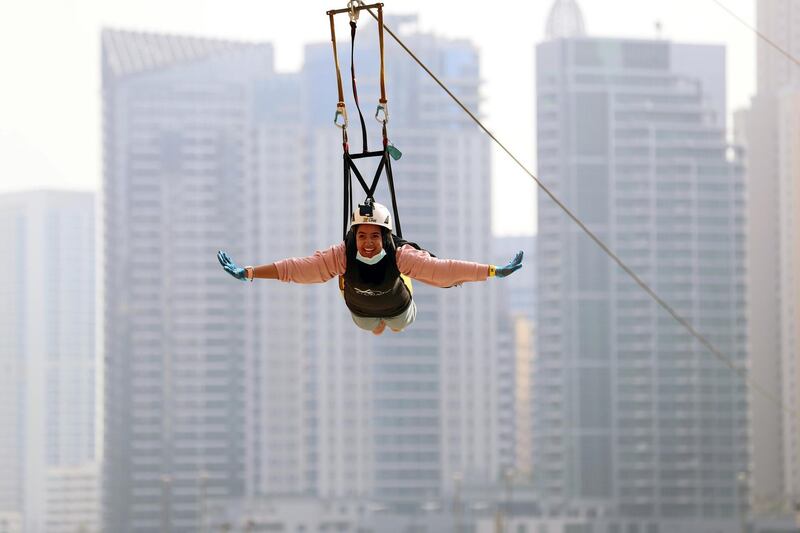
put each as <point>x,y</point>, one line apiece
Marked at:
<point>380,41</point>
<point>369,190</point>
<point>384,163</point>
<point>347,195</point>
<point>353,80</point>
<point>341,110</point>
<point>390,179</point>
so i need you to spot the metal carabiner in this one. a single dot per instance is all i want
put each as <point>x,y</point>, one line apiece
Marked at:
<point>382,106</point>
<point>341,112</point>
<point>353,14</point>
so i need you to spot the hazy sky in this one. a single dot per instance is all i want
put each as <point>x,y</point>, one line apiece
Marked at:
<point>50,89</point>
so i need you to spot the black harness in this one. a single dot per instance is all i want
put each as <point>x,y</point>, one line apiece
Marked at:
<point>388,151</point>
<point>378,290</point>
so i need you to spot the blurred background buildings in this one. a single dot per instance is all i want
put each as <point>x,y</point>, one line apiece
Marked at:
<point>560,399</point>
<point>770,133</point>
<point>49,461</point>
<point>254,391</point>
<point>630,411</point>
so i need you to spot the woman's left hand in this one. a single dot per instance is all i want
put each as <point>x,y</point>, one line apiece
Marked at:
<point>514,265</point>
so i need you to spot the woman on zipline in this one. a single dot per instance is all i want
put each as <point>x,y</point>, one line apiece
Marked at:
<point>373,265</point>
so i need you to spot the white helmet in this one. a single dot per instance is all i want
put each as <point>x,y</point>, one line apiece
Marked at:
<point>379,216</point>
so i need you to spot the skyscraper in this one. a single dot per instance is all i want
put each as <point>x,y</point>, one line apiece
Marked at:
<point>519,290</point>
<point>220,391</point>
<point>516,312</point>
<point>47,354</point>
<point>629,409</point>
<point>769,130</point>
<point>186,142</point>
<point>428,396</point>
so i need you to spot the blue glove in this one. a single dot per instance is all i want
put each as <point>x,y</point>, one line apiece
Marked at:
<point>230,267</point>
<point>511,267</point>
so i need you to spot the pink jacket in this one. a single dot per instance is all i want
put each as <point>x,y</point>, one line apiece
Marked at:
<point>416,264</point>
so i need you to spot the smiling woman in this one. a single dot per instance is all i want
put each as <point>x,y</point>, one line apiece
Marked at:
<point>373,266</point>
<point>373,263</point>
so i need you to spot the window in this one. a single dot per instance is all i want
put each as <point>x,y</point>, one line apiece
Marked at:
<point>591,189</point>
<point>591,124</point>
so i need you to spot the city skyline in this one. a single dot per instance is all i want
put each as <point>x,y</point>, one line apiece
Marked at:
<point>200,136</point>
<point>561,393</point>
<point>32,147</point>
<point>48,361</point>
<point>768,131</point>
<point>628,409</point>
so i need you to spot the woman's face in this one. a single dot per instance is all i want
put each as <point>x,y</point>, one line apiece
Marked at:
<point>369,240</point>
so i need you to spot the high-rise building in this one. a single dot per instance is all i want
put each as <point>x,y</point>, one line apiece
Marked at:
<point>769,130</point>
<point>188,146</point>
<point>629,409</point>
<point>219,391</point>
<point>73,499</point>
<point>519,291</point>
<point>516,313</point>
<point>47,353</point>
<point>424,402</point>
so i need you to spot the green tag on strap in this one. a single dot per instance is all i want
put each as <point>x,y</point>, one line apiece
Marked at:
<point>394,152</point>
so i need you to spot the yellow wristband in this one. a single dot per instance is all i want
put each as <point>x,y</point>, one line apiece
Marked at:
<point>492,270</point>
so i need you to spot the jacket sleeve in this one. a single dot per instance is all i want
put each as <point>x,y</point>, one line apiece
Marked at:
<point>419,265</point>
<point>318,268</point>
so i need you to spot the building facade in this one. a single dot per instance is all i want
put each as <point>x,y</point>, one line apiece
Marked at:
<point>771,136</point>
<point>516,314</point>
<point>73,499</point>
<point>48,349</point>
<point>219,391</point>
<point>182,152</point>
<point>629,410</point>
<point>422,406</point>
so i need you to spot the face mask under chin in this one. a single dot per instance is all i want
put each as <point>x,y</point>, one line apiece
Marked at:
<point>371,260</point>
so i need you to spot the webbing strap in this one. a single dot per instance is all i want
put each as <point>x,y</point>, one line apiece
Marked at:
<point>380,40</point>
<point>353,80</point>
<point>369,190</point>
<point>390,180</point>
<point>336,62</point>
<point>347,196</point>
<point>350,168</point>
<point>382,112</point>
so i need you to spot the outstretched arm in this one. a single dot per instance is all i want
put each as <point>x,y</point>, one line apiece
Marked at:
<point>318,268</point>
<point>269,271</point>
<point>420,265</point>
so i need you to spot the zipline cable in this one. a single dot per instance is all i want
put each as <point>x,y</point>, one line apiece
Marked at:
<point>759,33</point>
<point>644,286</point>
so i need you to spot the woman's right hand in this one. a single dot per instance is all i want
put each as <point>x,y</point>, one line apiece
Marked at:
<point>230,267</point>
